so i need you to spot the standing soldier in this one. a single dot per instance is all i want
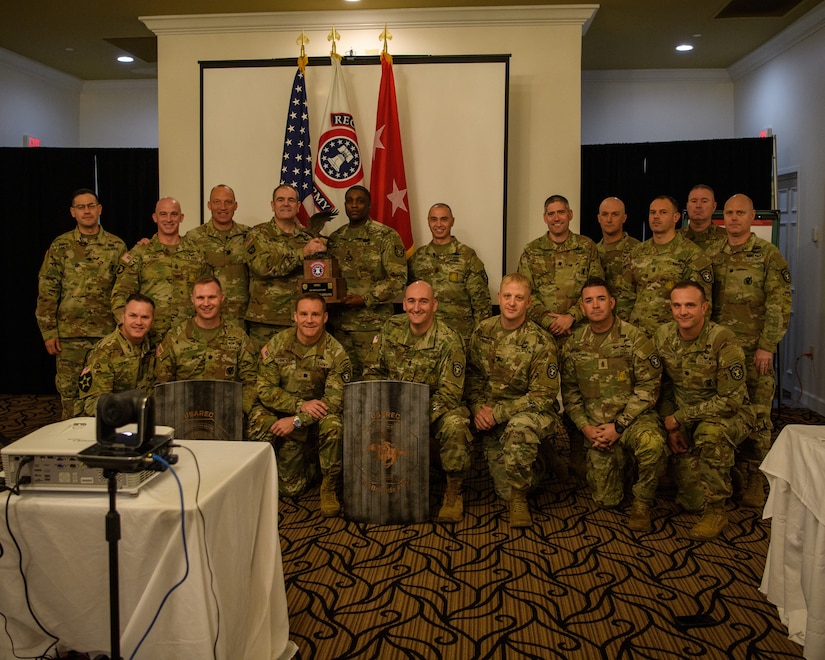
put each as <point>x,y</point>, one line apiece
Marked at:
<point>610,378</point>
<point>163,269</point>
<point>221,240</point>
<point>614,252</point>
<point>373,263</point>
<point>700,228</point>
<point>275,253</point>
<point>704,406</point>
<point>74,285</point>
<point>661,261</point>
<point>512,385</point>
<point>455,273</point>
<point>123,360</point>
<point>301,380</point>
<point>752,297</point>
<point>207,347</point>
<point>416,347</point>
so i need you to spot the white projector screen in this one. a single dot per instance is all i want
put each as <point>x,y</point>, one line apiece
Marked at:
<point>453,118</point>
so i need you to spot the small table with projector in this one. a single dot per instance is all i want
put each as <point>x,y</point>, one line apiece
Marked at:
<point>232,604</point>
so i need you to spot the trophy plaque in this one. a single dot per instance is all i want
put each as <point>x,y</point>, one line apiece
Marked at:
<point>321,272</point>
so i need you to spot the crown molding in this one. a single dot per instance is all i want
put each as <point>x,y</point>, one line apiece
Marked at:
<point>19,64</point>
<point>447,17</point>
<point>656,75</point>
<point>795,33</point>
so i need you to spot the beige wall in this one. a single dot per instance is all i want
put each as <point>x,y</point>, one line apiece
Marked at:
<point>545,84</point>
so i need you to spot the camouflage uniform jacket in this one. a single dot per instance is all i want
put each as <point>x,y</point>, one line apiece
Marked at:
<point>115,365</point>
<point>373,263</point>
<point>752,292</point>
<point>614,258</point>
<point>75,283</point>
<point>184,354</point>
<point>556,272</point>
<point>704,379</point>
<point>276,263</point>
<point>166,274</point>
<point>614,376</point>
<point>712,236</point>
<point>225,253</point>
<point>459,281</point>
<point>654,269</point>
<point>512,371</point>
<point>436,359</point>
<point>290,374</point>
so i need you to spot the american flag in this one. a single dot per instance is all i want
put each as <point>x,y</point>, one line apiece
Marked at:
<point>296,164</point>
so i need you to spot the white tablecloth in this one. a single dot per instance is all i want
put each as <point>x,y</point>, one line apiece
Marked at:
<point>65,560</point>
<point>794,578</point>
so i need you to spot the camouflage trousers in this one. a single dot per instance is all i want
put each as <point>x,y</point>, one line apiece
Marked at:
<point>514,451</point>
<point>303,452</point>
<point>642,443</point>
<point>452,432</point>
<point>702,474</point>
<point>68,365</point>
<point>261,333</point>
<point>358,345</point>
<point>761,389</point>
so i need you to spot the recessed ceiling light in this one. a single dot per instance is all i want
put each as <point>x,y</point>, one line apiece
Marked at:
<point>126,59</point>
<point>683,48</point>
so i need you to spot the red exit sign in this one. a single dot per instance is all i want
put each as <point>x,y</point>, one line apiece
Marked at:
<point>29,141</point>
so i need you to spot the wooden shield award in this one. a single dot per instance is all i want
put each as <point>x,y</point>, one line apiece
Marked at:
<point>201,409</point>
<point>386,452</point>
<point>321,272</point>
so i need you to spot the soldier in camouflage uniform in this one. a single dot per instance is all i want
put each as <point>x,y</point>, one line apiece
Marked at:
<point>418,348</point>
<point>611,375</point>
<point>123,360</point>
<point>74,285</point>
<point>206,347</point>
<point>704,405</point>
<point>301,380</point>
<point>221,240</point>
<point>372,261</point>
<point>275,253</point>
<point>557,266</point>
<point>752,297</point>
<point>614,252</point>
<point>455,273</point>
<point>512,385</point>
<point>163,269</point>
<point>700,229</point>
<point>661,261</point>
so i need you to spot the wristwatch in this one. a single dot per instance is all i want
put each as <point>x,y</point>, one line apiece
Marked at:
<point>296,421</point>
<point>620,428</point>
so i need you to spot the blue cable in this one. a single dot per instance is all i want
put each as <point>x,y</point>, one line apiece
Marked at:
<point>166,465</point>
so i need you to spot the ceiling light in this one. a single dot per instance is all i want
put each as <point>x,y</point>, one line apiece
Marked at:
<point>684,48</point>
<point>126,59</point>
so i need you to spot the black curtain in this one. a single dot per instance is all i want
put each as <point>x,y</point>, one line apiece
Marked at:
<point>38,185</point>
<point>636,173</point>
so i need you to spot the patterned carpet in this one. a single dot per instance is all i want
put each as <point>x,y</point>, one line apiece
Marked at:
<point>577,585</point>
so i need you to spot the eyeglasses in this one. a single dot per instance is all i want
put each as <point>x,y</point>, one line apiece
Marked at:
<point>81,207</point>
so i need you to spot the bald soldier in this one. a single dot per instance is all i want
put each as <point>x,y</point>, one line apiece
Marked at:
<point>455,273</point>
<point>661,261</point>
<point>417,347</point>
<point>700,228</point>
<point>614,251</point>
<point>221,240</point>
<point>752,297</point>
<point>163,269</point>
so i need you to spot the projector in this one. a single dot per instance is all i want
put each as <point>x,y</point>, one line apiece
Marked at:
<point>47,460</point>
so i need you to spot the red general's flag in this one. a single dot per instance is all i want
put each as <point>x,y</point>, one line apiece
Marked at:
<point>388,182</point>
<point>338,165</point>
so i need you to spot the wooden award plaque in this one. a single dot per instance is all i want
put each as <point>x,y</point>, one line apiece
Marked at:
<point>321,276</point>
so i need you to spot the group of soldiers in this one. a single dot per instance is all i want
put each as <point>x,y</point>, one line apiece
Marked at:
<point>645,353</point>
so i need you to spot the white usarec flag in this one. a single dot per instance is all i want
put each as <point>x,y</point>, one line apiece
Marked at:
<point>338,161</point>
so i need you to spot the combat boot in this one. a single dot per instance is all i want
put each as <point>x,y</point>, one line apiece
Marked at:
<point>713,521</point>
<point>519,509</point>
<point>754,493</point>
<point>330,506</point>
<point>452,508</point>
<point>639,516</point>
